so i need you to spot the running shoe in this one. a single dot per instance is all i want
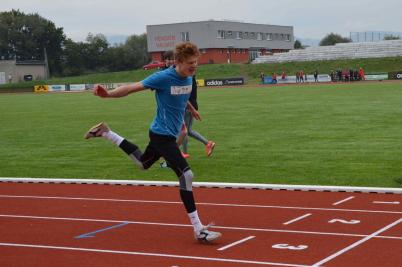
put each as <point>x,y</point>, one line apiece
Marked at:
<point>209,148</point>
<point>97,130</point>
<point>207,236</point>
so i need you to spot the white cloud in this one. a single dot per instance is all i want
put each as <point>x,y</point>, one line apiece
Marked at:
<point>310,18</point>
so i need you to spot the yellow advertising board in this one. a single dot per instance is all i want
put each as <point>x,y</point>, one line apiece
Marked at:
<point>200,82</point>
<point>41,88</point>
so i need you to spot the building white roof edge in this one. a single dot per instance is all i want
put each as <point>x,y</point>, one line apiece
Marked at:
<point>208,185</point>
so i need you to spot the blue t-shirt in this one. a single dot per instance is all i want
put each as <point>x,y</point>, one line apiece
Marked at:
<point>172,92</point>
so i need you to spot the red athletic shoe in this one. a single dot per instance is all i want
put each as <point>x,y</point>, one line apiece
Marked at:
<point>209,148</point>
<point>186,156</point>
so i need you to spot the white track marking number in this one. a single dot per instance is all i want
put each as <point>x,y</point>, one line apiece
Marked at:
<point>344,221</point>
<point>287,246</point>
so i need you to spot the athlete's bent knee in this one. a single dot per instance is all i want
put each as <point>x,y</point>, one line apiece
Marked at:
<point>186,180</point>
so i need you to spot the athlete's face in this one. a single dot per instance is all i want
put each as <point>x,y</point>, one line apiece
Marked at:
<point>187,67</point>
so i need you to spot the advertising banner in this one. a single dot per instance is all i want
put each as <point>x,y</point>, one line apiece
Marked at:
<point>268,80</point>
<point>57,88</point>
<point>376,77</point>
<point>321,78</point>
<point>224,82</point>
<point>41,88</point>
<point>395,75</point>
<point>77,87</point>
<point>200,82</point>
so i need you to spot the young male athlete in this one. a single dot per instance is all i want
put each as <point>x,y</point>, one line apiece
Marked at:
<point>172,90</point>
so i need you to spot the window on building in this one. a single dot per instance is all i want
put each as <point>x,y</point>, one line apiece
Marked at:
<point>239,35</point>
<point>221,34</point>
<point>245,35</point>
<point>252,35</point>
<point>259,36</point>
<point>287,37</point>
<point>269,36</point>
<point>185,36</point>
<point>229,34</point>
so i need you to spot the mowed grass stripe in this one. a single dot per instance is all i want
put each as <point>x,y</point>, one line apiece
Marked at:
<point>345,134</point>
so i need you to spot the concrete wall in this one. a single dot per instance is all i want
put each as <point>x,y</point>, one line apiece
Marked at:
<point>16,71</point>
<point>7,70</point>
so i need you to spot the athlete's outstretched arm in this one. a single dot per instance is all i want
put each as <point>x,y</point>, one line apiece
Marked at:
<point>120,91</point>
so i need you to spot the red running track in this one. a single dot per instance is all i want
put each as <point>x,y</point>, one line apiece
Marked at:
<point>114,225</point>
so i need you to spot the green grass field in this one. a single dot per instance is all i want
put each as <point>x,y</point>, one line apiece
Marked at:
<point>344,134</point>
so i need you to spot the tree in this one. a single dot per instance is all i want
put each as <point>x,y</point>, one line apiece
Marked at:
<point>73,58</point>
<point>392,37</point>
<point>25,37</point>
<point>332,39</point>
<point>298,45</point>
<point>96,50</point>
<point>136,51</point>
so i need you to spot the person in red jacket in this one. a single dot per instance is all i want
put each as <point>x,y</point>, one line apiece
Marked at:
<point>361,74</point>
<point>283,75</point>
<point>274,78</point>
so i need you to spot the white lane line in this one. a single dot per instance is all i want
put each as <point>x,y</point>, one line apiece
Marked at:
<point>297,219</point>
<point>361,241</point>
<point>200,203</point>
<point>188,225</point>
<point>236,243</point>
<point>152,254</point>
<point>385,202</point>
<point>342,201</point>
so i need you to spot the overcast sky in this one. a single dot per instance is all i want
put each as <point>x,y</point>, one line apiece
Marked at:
<point>310,18</point>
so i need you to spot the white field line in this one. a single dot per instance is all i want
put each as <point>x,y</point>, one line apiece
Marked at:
<point>207,184</point>
<point>361,241</point>
<point>188,225</point>
<point>151,254</point>
<point>297,219</point>
<point>342,201</point>
<point>200,203</point>
<point>387,202</point>
<point>236,243</point>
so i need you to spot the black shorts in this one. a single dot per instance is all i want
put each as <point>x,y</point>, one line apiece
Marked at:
<point>164,146</point>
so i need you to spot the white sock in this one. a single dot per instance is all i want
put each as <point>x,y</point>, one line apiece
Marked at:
<point>113,137</point>
<point>195,221</point>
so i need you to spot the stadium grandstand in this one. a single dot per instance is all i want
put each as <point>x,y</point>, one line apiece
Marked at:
<point>389,48</point>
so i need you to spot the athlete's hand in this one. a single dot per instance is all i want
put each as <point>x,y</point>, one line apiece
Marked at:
<point>100,91</point>
<point>196,115</point>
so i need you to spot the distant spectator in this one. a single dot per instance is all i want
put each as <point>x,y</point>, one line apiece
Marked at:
<point>301,76</point>
<point>332,74</point>
<point>339,75</point>
<point>356,75</point>
<point>345,75</point>
<point>297,77</point>
<point>262,77</point>
<point>274,78</point>
<point>283,75</point>
<point>351,74</point>
<point>316,76</point>
<point>361,74</point>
